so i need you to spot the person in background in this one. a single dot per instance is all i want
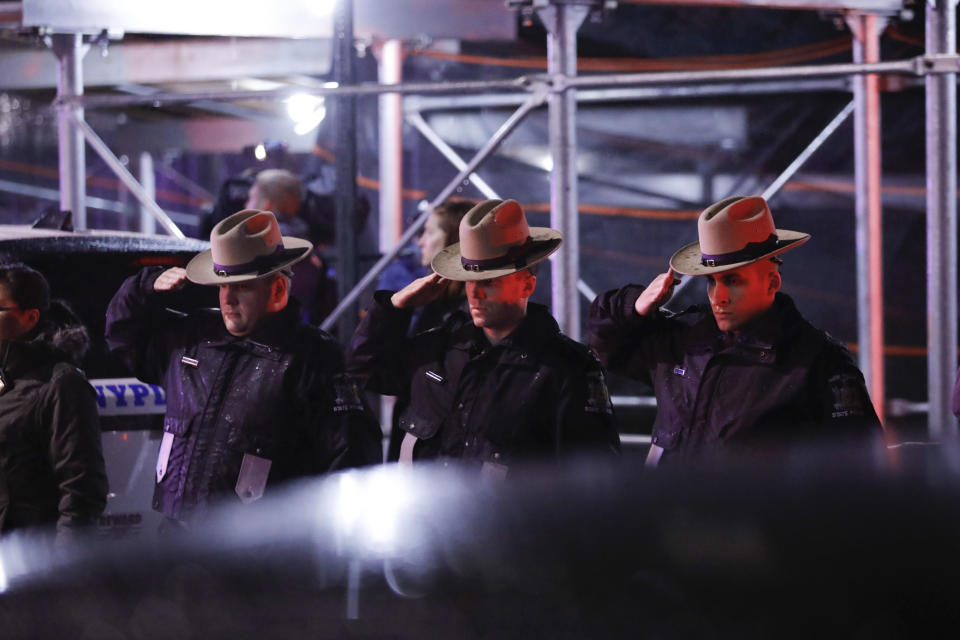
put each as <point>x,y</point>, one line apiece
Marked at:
<point>282,192</point>
<point>51,461</point>
<point>499,384</point>
<point>441,230</point>
<point>748,376</point>
<point>255,397</point>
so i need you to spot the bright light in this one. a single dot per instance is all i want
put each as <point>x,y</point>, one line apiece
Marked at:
<point>260,152</point>
<point>321,8</point>
<point>368,508</point>
<point>306,111</point>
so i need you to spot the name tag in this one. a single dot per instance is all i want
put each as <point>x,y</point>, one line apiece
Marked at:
<point>253,478</point>
<point>679,371</point>
<point>193,362</point>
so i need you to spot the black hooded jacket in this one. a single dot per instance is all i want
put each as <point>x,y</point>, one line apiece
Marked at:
<point>51,460</point>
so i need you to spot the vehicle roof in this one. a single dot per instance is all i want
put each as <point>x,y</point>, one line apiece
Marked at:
<point>26,238</point>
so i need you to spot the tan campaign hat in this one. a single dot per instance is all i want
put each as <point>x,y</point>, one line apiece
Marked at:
<point>734,232</point>
<point>495,241</point>
<point>246,246</point>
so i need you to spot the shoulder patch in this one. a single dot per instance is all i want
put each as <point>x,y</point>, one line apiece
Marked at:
<point>346,394</point>
<point>848,399</point>
<point>598,396</point>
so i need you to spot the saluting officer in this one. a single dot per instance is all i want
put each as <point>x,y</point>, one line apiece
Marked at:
<point>254,395</point>
<point>497,385</point>
<point>749,375</point>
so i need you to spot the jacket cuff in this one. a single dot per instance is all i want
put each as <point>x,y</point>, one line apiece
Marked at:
<point>628,300</point>
<point>383,307</point>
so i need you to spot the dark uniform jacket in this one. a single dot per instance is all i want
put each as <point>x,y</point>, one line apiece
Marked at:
<point>777,382</point>
<point>51,461</point>
<point>429,316</point>
<point>536,393</point>
<point>242,411</point>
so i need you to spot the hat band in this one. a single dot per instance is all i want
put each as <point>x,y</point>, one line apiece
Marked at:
<point>260,264</point>
<point>752,251</point>
<point>516,256</point>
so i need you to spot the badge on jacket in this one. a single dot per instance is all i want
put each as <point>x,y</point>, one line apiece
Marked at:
<point>346,394</point>
<point>598,397</point>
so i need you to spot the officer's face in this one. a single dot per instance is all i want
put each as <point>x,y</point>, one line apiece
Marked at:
<point>500,303</point>
<point>245,304</point>
<point>740,295</point>
<point>14,321</point>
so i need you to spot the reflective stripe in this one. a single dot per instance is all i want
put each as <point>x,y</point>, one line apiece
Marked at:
<point>653,456</point>
<point>165,446</point>
<point>406,449</point>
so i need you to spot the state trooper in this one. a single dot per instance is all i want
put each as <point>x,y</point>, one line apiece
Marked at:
<point>747,376</point>
<point>498,384</point>
<point>254,396</point>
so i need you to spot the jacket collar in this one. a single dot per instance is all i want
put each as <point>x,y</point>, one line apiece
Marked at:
<point>18,356</point>
<point>276,329</point>
<point>536,329</point>
<point>763,334</point>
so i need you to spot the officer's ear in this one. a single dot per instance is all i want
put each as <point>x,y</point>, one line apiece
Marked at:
<point>29,319</point>
<point>279,292</point>
<point>529,283</point>
<point>775,282</point>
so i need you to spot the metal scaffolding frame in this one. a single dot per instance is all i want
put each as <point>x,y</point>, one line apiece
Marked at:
<point>558,88</point>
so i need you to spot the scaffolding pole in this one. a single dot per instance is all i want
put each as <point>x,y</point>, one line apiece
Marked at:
<point>866,29</point>
<point>391,146</point>
<point>941,132</point>
<point>562,22</point>
<point>69,50</point>
<point>917,66</point>
<point>345,126</point>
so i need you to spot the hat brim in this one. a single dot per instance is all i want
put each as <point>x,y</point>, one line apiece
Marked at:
<point>688,259</point>
<point>200,268</point>
<point>447,263</point>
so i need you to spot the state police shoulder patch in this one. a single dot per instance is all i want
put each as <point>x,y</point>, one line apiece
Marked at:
<point>346,394</point>
<point>598,397</point>
<point>848,397</point>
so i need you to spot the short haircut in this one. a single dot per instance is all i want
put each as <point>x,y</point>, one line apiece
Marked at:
<point>282,188</point>
<point>26,286</point>
<point>449,214</point>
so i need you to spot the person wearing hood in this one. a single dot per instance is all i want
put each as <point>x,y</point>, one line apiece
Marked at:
<point>255,396</point>
<point>51,460</point>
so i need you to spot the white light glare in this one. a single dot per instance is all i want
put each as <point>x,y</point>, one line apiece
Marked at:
<point>369,507</point>
<point>260,152</point>
<point>306,111</point>
<point>321,8</point>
